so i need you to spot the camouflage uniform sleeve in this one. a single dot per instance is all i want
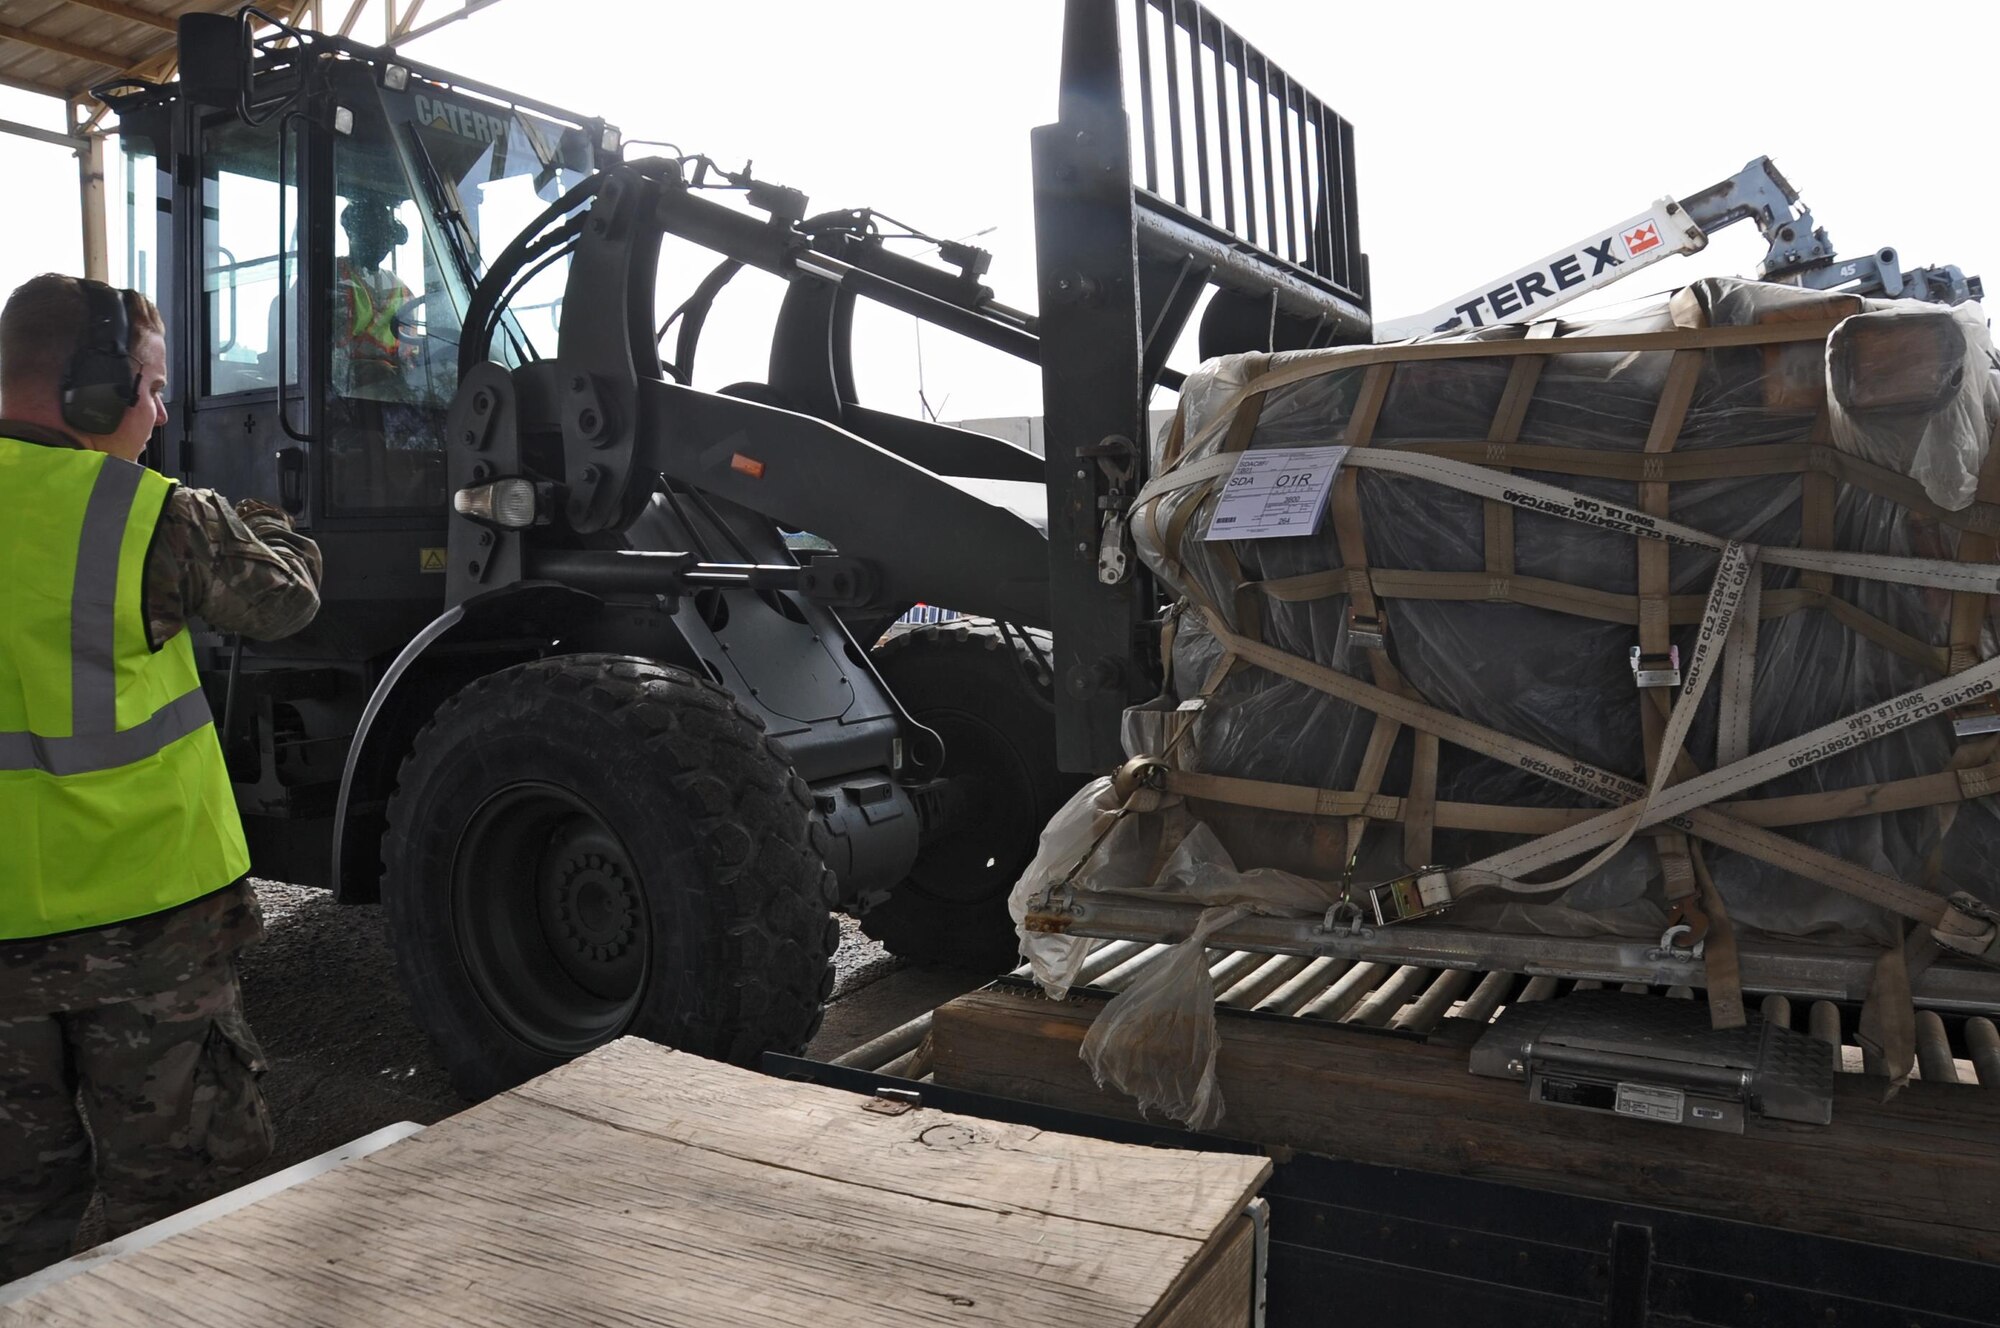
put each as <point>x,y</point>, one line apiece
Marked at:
<point>243,570</point>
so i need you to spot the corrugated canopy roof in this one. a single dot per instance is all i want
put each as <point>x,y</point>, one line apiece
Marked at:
<point>64,47</point>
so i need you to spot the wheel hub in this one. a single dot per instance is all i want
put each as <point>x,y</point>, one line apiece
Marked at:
<point>550,917</point>
<point>596,906</point>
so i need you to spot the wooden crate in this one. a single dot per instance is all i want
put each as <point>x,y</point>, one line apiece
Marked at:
<point>642,1186</point>
<point>1921,1172</point>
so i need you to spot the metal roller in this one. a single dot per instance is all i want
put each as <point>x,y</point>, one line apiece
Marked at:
<point>898,1042</point>
<point>1105,958</point>
<point>1539,988</point>
<point>1984,1041</point>
<point>1268,977</point>
<point>1777,1010</point>
<point>1345,994</point>
<point>1823,1021</point>
<point>1381,1005</point>
<point>1119,978</point>
<point>1422,1014</point>
<point>1487,997</point>
<point>912,1064</point>
<point>1235,966</point>
<point>1934,1060</point>
<point>1315,978</point>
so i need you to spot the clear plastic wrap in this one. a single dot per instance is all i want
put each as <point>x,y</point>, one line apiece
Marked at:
<point>1911,389</point>
<point>1056,958</point>
<point>1156,1041</point>
<point>1563,679</point>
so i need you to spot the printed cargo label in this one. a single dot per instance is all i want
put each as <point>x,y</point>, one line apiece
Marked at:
<point>1276,492</point>
<point>1652,1103</point>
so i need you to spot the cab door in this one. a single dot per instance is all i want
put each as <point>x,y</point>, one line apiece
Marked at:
<point>248,358</point>
<point>320,353</point>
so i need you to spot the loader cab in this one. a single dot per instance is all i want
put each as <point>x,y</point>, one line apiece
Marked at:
<point>313,241</point>
<point>318,252</point>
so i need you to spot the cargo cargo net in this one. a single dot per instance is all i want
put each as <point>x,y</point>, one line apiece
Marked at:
<point>1658,649</point>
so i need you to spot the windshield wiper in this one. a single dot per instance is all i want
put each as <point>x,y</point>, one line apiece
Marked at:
<point>449,209</point>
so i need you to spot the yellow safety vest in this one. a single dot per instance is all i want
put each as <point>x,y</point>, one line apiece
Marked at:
<point>372,300</point>
<point>114,800</point>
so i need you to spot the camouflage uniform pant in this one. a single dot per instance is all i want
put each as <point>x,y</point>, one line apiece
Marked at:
<point>167,1089</point>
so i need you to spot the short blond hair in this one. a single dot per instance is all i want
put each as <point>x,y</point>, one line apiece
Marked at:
<point>42,323</point>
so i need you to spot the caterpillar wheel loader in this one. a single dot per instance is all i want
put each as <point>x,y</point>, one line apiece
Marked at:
<point>595,706</point>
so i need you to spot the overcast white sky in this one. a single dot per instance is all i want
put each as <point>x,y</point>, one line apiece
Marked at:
<point>1487,134</point>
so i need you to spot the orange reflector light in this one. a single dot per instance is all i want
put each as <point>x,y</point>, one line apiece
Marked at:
<point>750,466</point>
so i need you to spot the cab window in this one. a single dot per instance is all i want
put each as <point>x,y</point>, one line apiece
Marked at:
<point>246,258</point>
<point>393,340</point>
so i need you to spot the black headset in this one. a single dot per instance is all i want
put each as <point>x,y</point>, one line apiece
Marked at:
<point>100,384</point>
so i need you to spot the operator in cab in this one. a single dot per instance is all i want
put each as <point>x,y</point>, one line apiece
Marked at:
<point>368,358</point>
<point>126,1063</point>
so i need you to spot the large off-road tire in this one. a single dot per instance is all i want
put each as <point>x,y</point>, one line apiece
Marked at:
<point>987,693</point>
<point>589,846</point>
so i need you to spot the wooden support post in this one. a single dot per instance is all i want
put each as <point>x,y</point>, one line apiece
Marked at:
<point>90,191</point>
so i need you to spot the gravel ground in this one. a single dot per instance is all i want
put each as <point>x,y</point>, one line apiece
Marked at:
<point>346,1054</point>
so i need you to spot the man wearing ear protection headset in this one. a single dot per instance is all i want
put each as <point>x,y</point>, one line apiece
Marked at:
<point>367,354</point>
<point>122,891</point>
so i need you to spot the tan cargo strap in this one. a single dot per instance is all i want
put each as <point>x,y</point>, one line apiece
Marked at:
<point>1718,941</point>
<point>1304,800</point>
<point>1552,500</point>
<point>1605,786</point>
<point>1820,467</point>
<point>1738,570</point>
<point>1887,1031</point>
<point>1366,625</point>
<point>1655,659</point>
<point>1299,367</point>
<point>1598,605</point>
<point>1304,365</point>
<point>1739,675</point>
<point>1946,787</point>
<point>1806,749</point>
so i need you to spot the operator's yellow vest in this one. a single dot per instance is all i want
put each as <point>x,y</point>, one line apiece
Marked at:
<point>114,800</point>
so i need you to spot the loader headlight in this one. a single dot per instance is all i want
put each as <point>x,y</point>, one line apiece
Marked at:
<point>509,501</point>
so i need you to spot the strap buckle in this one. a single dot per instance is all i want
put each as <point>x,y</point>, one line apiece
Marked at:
<point>1656,670</point>
<point>1366,633</point>
<point>1141,772</point>
<point>1419,894</point>
<point>1976,719</point>
<point>1971,927</point>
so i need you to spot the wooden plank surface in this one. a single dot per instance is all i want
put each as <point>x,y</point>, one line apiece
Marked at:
<point>1922,1172</point>
<point>640,1186</point>
<point>1218,1291</point>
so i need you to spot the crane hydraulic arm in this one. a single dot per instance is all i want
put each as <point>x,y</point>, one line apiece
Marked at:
<point>1800,253</point>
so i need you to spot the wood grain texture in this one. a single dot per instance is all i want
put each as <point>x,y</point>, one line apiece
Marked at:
<point>641,1186</point>
<point>1922,1172</point>
<point>1217,1292</point>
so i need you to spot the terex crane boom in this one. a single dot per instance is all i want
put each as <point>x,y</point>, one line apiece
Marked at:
<point>1800,253</point>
